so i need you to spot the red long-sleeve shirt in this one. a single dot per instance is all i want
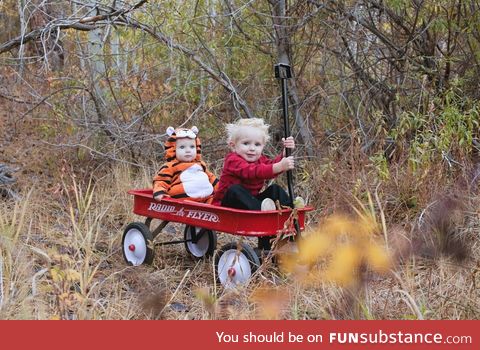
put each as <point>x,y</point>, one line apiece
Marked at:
<point>252,176</point>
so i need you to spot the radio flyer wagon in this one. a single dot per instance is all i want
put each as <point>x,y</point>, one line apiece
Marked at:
<point>234,262</point>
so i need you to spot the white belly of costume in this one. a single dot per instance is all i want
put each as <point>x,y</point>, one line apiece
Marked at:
<point>195,182</point>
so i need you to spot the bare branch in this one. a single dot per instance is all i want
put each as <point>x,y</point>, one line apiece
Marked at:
<point>15,99</point>
<point>83,24</point>
<point>118,17</point>
<point>220,77</point>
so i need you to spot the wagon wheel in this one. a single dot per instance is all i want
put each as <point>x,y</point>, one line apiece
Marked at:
<point>235,263</point>
<point>205,245</point>
<point>137,242</point>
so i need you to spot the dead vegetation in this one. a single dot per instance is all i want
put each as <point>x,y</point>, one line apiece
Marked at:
<point>61,252</point>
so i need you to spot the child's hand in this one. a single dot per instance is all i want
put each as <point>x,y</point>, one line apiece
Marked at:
<point>285,164</point>
<point>289,142</point>
<point>288,163</point>
<point>159,197</point>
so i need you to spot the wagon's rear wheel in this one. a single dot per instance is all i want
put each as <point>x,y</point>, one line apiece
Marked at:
<point>137,242</point>
<point>235,264</point>
<point>204,246</point>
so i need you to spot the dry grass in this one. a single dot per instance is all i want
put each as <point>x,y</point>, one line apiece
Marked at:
<point>61,258</point>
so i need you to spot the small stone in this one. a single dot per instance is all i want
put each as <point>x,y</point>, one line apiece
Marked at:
<point>179,307</point>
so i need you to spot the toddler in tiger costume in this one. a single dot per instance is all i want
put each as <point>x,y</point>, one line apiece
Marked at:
<point>184,175</point>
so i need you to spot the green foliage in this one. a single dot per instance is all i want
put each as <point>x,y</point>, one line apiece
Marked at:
<point>47,131</point>
<point>397,5</point>
<point>380,165</point>
<point>447,130</point>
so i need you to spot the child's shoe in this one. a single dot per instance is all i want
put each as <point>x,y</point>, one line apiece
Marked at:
<point>268,204</point>
<point>299,202</point>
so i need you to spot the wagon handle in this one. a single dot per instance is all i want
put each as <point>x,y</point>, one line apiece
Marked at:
<point>284,72</point>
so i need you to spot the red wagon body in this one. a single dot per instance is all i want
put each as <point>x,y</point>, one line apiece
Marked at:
<point>235,262</point>
<point>211,217</point>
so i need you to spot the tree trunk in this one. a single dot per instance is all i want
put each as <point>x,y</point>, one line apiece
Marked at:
<point>282,42</point>
<point>97,70</point>
<point>49,47</point>
<point>23,28</point>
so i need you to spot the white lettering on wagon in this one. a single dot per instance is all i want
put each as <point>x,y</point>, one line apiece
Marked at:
<point>161,208</point>
<point>194,214</point>
<point>180,212</point>
<point>202,215</point>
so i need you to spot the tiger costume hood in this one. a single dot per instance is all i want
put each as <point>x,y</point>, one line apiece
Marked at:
<point>184,180</point>
<point>179,133</point>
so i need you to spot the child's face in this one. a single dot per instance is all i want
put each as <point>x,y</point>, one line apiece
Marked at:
<point>186,150</point>
<point>249,144</point>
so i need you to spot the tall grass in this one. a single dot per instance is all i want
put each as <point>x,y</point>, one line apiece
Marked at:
<point>18,277</point>
<point>60,257</point>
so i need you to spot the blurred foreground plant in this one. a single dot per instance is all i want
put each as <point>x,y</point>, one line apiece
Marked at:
<point>338,251</point>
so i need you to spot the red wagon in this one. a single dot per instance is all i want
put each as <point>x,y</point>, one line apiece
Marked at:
<point>234,263</point>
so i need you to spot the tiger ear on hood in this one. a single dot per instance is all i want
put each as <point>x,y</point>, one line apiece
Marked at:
<point>195,130</point>
<point>170,130</point>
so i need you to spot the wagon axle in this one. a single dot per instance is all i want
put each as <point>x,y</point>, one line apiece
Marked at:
<point>131,247</point>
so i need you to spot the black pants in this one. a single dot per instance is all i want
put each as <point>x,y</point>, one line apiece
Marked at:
<point>239,197</point>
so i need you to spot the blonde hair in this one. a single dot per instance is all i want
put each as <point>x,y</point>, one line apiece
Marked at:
<point>233,130</point>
